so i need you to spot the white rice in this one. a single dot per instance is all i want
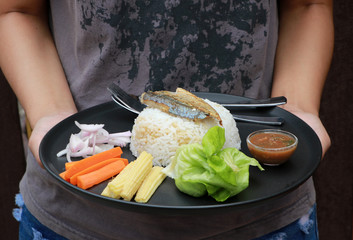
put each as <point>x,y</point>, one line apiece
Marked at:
<point>160,133</point>
<point>229,124</point>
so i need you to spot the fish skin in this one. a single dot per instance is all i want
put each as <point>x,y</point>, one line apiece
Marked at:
<point>169,104</point>
<point>180,103</point>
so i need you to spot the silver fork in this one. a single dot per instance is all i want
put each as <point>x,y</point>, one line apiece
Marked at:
<point>133,104</point>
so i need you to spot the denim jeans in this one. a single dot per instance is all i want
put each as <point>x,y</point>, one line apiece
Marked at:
<point>304,228</point>
<point>30,227</point>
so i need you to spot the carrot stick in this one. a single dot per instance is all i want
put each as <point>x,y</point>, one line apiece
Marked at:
<point>73,179</point>
<point>62,175</point>
<point>69,164</point>
<point>124,160</point>
<point>87,162</point>
<point>90,179</point>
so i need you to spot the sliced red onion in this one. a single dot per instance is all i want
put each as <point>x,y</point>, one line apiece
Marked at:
<point>76,143</point>
<point>93,139</point>
<point>89,127</point>
<point>62,152</point>
<point>120,134</point>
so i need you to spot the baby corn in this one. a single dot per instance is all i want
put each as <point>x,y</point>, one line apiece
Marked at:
<point>150,184</point>
<point>106,192</point>
<point>135,177</point>
<point>114,188</point>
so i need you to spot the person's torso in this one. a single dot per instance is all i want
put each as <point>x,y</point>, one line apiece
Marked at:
<point>217,46</point>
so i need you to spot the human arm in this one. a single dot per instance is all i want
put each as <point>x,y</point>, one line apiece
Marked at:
<point>303,58</point>
<point>31,65</point>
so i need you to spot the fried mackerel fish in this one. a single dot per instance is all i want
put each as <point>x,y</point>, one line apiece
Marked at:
<point>180,103</point>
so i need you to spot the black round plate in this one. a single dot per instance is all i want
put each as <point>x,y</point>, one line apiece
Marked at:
<point>263,185</point>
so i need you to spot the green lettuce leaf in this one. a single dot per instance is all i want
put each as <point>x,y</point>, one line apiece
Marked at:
<point>200,169</point>
<point>213,140</point>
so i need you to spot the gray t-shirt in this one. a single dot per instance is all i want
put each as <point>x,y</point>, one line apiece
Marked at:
<point>217,46</point>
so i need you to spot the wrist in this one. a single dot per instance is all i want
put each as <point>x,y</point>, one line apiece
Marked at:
<point>51,119</point>
<point>295,108</point>
<point>50,115</point>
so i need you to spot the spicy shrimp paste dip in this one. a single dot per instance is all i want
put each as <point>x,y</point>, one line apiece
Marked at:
<point>272,146</point>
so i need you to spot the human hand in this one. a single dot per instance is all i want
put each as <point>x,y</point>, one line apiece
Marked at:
<point>42,126</point>
<point>315,123</point>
